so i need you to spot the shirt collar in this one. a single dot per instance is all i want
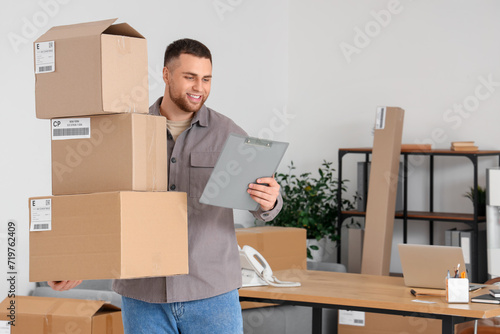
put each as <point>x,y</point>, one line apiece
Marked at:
<point>200,117</point>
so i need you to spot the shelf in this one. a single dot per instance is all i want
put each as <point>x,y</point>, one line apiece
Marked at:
<point>425,215</point>
<point>424,152</point>
<point>431,216</point>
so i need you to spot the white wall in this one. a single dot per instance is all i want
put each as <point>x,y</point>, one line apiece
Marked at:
<point>248,41</point>
<point>425,58</point>
<point>279,72</point>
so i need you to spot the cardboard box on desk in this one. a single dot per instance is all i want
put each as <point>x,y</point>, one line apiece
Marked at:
<point>89,69</point>
<point>60,315</point>
<point>352,322</point>
<point>282,247</point>
<point>108,235</point>
<point>109,153</point>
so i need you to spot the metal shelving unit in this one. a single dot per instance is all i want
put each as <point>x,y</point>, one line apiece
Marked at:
<point>431,216</point>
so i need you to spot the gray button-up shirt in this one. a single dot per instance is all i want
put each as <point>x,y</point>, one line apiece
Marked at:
<point>214,264</point>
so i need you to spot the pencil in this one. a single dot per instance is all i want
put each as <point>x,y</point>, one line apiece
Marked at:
<point>438,293</point>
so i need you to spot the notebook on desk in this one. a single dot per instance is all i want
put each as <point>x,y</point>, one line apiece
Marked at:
<point>426,266</point>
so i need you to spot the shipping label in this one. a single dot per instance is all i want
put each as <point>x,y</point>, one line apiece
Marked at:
<point>45,57</point>
<point>4,327</point>
<point>41,214</point>
<point>351,318</point>
<point>380,119</point>
<point>70,128</point>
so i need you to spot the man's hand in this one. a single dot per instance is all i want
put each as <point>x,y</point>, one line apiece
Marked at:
<point>63,285</point>
<point>265,195</point>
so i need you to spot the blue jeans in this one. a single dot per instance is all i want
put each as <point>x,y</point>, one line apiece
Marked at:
<point>220,314</point>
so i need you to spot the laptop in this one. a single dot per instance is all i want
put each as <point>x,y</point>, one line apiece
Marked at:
<point>426,266</point>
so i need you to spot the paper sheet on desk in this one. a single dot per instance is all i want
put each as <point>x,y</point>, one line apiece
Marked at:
<point>423,301</point>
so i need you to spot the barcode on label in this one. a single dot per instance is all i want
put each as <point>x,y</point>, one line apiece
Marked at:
<point>40,227</point>
<point>43,69</point>
<point>71,132</point>
<point>359,321</point>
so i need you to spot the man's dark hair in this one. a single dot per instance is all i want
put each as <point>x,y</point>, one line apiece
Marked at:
<point>187,46</point>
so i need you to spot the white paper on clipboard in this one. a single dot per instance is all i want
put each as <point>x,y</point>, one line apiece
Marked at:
<point>243,160</point>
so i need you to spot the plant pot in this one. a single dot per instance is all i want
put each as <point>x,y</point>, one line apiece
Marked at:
<point>330,254</point>
<point>317,255</point>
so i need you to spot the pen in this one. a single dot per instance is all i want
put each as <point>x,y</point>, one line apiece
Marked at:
<point>427,292</point>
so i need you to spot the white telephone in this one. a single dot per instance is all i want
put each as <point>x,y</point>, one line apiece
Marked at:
<point>255,270</point>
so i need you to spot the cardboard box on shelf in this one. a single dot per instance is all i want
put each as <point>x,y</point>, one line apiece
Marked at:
<point>355,322</point>
<point>30,314</point>
<point>108,235</point>
<point>91,68</point>
<point>282,247</point>
<point>109,153</point>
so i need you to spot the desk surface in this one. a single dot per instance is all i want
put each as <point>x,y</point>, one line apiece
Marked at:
<point>356,290</point>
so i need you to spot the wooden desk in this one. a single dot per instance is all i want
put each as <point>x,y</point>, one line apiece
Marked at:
<point>378,294</point>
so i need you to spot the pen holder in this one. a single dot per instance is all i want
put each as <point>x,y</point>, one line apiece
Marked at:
<point>457,290</point>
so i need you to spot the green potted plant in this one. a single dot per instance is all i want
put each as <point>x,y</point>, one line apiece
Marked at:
<point>311,203</point>
<point>481,199</point>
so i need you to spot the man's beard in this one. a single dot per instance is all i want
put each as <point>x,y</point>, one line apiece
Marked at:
<point>183,104</point>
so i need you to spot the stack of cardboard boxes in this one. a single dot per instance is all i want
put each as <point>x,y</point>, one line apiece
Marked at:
<point>110,215</point>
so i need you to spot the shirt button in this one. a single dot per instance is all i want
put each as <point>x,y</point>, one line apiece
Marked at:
<point>172,187</point>
<point>174,160</point>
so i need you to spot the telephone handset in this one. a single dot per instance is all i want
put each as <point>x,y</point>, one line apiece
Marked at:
<point>256,271</point>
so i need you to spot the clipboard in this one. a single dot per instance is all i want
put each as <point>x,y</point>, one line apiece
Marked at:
<point>242,161</point>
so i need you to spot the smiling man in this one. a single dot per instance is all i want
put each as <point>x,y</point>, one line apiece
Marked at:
<point>205,300</point>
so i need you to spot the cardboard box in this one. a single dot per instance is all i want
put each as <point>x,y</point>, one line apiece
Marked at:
<point>108,235</point>
<point>373,323</point>
<point>382,191</point>
<point>484,326</point>
<point>109,153</point>
<point>89,69</point>
<point>352,248</point>
<point>31,314</point>
<point>282,247</point>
